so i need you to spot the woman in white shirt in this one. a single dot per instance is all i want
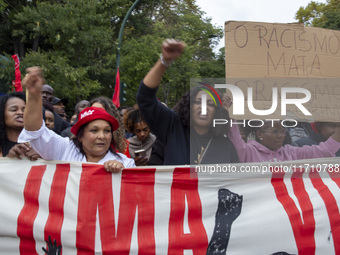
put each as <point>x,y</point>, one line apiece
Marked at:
<point>93,132</point>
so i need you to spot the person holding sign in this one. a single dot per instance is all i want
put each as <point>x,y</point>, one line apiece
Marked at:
<point>93,132</point>
<point>269,143</point>
<point>185,131</point>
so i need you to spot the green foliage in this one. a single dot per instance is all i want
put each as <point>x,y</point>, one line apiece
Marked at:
<point>213,69</point>
<point>75,42</point>
<point>71,42</point>
<point>320,15</point>
<point>6,77</point>
<point>332,15</point>
<point>183,23</point>
<point>70,82</point>
<point>3,6</point>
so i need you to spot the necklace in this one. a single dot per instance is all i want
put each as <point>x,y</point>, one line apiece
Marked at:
<point>201,155</point>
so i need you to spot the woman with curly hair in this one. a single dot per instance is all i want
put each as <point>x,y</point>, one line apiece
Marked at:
<point>142,139</point>
<point>121,144</point>
<point>186,132</point>
<point>11,123</point>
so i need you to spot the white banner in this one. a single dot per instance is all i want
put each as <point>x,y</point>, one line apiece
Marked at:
<point>260,208</point>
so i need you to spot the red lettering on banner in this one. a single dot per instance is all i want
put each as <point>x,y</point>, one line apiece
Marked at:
<point>303,229</point>
<point>30,210</point>
<point>137,193</point>
<point>56,203</point>
<point>185,184</point>
<point>331,205</point>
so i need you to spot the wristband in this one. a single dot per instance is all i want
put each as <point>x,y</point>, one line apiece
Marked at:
<point>164,62</point>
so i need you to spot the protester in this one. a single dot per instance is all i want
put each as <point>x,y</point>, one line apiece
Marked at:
<point>12,108</point>
<point>321,131</point>
<point>301,130</point>
<point>47,93</point>
<point>269,145</point>
<point>122,112</point>
<point>157,151</point>
<point>121,144</point>
<point>59,107</point>
<point>73,119</point>
<point>157,154</point>
<point>142,139</point>
<point>59,124</point>
<point>245,132</point>
<point>47,96</point>
<point>81,105</point>
<point>49,114</point>
<point>93,132</point>
<point>173,127</point>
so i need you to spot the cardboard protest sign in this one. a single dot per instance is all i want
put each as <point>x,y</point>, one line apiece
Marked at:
<point>289,55</point>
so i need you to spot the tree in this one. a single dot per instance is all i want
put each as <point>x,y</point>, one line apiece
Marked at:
<point>180,20</point>
<point>70,41</point>
<point>320,14</point>
<point>75,42</point>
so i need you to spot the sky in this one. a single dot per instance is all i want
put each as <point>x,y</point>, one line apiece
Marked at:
<point>282,11</point>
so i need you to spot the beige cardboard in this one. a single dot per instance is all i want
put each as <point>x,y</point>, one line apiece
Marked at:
<point>290,55</point>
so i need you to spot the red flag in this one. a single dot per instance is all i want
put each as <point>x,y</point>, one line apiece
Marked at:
<point>17,84</point>
<point>115,98</point>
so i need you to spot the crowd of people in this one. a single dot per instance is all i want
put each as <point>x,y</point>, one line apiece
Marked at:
<point>35,126</point>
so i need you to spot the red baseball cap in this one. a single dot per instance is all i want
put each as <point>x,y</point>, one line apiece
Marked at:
<point>93,113</point>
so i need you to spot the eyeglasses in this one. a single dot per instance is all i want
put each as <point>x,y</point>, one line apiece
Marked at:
<point>276,132</point>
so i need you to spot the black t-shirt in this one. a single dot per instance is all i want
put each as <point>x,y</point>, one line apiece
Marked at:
<point>209,149</point>
<point>7,146</point>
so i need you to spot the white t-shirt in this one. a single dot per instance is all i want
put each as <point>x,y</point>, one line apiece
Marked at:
<point>51,146</point>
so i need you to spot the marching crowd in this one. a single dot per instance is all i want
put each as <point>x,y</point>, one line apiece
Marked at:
<point>35,126</point>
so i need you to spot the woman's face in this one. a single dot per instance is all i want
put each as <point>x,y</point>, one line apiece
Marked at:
<point>141,130</point>
<point>96,140</point>
<point>49,119</point>
<point>14,113</point>
<point>202,123</point>
<point>272,137</point>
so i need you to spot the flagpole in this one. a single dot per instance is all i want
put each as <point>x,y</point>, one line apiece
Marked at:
<point>120,36</point>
